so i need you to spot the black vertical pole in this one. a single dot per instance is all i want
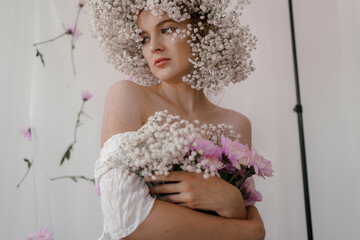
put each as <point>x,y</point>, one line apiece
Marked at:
<point>298,109</point>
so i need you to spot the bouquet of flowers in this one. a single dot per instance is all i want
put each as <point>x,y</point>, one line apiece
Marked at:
<point>166,143</point>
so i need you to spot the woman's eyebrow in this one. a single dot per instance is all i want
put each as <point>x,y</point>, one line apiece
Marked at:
<point>159,23</point>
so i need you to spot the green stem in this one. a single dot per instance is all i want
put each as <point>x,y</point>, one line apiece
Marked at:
<point>73,41</point>
<point>50,40</point>
<point>78,120</point>
<point>248,173</point>
<point>73,178</point>
<point>234,176</point>
<point>26,173</point>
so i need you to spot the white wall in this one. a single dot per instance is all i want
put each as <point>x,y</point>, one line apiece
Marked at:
<point>328,36</point>
<point>327,33</point>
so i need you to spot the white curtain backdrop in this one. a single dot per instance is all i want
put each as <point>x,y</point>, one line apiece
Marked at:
<point>49,98</point>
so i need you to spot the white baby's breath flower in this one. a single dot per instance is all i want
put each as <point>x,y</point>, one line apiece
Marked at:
<point>150,153</point>
<point>113,23</point>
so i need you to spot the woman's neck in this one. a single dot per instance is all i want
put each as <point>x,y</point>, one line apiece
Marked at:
<point>183,97</point>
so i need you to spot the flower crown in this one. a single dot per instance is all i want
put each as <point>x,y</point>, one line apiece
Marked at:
<point>220,45</point>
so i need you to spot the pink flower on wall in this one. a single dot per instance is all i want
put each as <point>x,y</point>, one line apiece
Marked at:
<point>81,3</point>
<point>86,95</point>
<point>42,234</point>
<point>26,131</point>
<point>72,30</point>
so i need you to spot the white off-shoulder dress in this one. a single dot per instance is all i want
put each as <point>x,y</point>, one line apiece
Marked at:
<point>125,206</point>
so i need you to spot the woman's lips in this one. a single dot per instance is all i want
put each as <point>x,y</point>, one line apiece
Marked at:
<point>162,62</point>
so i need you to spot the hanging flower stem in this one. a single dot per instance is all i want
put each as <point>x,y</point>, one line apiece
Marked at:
<point>77,124</point>
<point>70,30</point>
<point>51,40</point>
<point>73,39</point>
<point>26,173</point>
<point>74,178</point>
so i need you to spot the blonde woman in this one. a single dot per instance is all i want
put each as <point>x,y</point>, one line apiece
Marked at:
<point>131,211</point>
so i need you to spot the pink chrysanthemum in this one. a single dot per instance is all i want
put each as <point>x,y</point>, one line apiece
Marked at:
<point>207,148</point>
<point>237,153</point>
<point>261,166</point>
<point>26,131</point>
<point>42,234</point>
<point>71,30</point>
<point>86,95</point>
<point>212,162</point>
<point>254,196</point>
<point>97,188</point>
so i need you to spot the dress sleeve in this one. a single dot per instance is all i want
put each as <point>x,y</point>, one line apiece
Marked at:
<point>125,206</point>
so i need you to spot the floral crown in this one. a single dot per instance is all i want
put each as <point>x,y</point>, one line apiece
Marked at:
<point>220,45</point>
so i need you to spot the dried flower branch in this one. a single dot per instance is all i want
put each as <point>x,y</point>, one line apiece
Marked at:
<point>70,30</point>
<point>85,96</point>
<point>74,178</point>
<point>29,164</point>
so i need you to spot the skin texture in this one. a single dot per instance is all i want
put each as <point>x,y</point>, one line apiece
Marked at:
<point>127,108</point>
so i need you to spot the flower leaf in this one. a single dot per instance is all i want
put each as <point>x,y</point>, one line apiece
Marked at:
<point>74,179</point>
<point>39,54</point>
<point>28,162</point>
<point>66,154</point>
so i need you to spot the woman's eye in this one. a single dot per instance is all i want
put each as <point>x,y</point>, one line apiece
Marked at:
<point>164,30</point>
<point>144,40</point>
<point>168,30</point>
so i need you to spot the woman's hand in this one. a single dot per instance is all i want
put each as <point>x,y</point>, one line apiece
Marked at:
<point>191,190</point>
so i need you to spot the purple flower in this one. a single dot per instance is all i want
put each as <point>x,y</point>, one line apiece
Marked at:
<point>42,234</point>
<point>208,148</point>
<point>71,30</point>
<point>212,162</point>
<point>261,166</point>
<point>26,131</point>
<point>237,153</point>
<point>97,188</point>
<point>253,194</point>
<point>86,95</point>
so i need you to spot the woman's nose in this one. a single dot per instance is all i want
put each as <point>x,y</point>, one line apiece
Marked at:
<point>156,44</point>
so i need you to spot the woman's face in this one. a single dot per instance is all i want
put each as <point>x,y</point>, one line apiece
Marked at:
<point>157,43</point>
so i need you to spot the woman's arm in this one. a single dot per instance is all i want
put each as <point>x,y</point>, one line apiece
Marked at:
<point>191,190</point>
<point>123,112</point>
<point>171,222</point>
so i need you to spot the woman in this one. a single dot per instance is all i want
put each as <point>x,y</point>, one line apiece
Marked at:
<point>129,211</point>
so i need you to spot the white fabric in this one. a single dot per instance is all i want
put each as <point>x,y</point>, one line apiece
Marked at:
<point>125,206</point>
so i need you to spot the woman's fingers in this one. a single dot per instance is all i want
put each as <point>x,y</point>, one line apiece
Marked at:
<point>174,176</point>
<point>165,188</point>
<point>183,199</point>
<point>173,198</point>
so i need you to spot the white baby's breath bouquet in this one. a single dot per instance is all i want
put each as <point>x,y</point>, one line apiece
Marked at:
<point>167,143</point>
<point>158,146</point>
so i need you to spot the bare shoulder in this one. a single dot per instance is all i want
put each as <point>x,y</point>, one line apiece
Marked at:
<point>241,124</point>
<point>123,109</point>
